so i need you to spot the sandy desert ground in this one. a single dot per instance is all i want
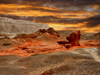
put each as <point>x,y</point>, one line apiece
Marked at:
<point>40,54</point>
<point>82,61</point>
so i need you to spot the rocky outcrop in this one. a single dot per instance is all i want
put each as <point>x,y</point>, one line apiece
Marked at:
<point>40,32</point>
<point>74,38</point>
<point>8,25</point>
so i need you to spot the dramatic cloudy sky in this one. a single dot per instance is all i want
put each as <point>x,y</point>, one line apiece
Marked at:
<point>60,14</point>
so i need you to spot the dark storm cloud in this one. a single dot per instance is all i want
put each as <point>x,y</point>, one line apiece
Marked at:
<point>11,1</point>
<point>68,2</point>
<point>52,19</point>
<point>47,10</point>
<point>11,16</point>
<point>92,21</point>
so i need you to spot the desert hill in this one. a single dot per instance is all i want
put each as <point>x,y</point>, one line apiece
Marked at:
<point>92,36</point>
<point>8,25</point>
<point>96,36</point>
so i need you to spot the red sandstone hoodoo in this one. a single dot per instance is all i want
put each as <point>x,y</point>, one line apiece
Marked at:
<point>73,39</point>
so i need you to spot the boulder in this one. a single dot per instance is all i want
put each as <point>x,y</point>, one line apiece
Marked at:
<point>74,38</point>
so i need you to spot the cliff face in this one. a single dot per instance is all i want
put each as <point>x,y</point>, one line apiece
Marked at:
<point>8,25</point>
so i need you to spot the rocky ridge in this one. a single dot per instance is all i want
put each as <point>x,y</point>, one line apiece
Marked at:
<point>8,25</point>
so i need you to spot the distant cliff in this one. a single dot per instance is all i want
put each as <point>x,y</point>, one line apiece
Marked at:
<point>8,25</point>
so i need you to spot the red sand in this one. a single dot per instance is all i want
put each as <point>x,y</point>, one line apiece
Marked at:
<point>34,47</point>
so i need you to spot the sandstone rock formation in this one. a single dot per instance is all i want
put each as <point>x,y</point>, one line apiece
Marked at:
<point>74,38</point>
<point>8,25</point>
<point>38,33</point>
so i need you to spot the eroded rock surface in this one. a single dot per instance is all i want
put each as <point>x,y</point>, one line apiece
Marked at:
<point>8,25</point>
<point>74,38</point>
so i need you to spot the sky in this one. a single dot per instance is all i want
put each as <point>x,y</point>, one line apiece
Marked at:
<point>81,15</point>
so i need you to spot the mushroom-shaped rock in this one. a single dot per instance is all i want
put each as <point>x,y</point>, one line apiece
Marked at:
<point>74,38</point>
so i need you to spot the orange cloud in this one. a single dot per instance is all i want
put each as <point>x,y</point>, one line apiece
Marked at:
<point>15,9</point>
<point>26,10</point>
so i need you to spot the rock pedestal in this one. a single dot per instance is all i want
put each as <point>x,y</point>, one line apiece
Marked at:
<point>74,38</point>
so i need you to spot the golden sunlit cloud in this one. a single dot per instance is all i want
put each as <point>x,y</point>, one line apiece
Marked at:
<point>13,6</point>
<point>91,30</point>
<point>15,10</point>
<point>39,11</point>
<point>66,26</point>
